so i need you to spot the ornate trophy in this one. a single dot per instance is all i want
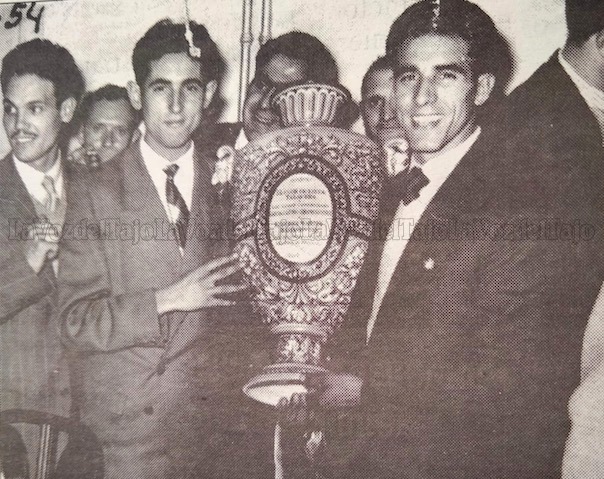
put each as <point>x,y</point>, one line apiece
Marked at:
<point>305,201</point>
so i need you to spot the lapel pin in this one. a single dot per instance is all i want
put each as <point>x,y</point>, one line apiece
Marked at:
<point>429,263</point>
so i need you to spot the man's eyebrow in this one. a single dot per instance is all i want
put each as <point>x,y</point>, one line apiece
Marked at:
<point>456,67</point>
<point>159,81</point>
<point>193,81</point>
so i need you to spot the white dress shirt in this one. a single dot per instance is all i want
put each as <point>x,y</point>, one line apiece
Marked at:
<point>241,141</point>
<point>33,179</point>
<point>437,170</point>
<point>183,179</point>
<point>592,96</point>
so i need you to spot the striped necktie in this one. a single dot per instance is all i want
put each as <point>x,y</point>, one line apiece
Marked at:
<point>178,212</point>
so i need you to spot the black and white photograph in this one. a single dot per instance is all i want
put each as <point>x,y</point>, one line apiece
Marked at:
<point>302,239</point>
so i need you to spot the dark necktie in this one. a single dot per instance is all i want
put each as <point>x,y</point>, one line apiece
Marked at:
<point>407,184</point>
<point>178,211</point>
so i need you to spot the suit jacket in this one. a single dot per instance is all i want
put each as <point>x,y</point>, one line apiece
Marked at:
<point>476,347</point>
<point>33,370</point>
<point>158,392</point>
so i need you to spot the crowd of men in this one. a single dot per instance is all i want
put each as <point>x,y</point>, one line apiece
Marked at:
<point>481,355</point>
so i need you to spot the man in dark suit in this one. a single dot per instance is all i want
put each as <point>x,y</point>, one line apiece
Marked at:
<point>41,85</point>
<point>464,306</point>
<point>554,123</point>
<point>154,355</point>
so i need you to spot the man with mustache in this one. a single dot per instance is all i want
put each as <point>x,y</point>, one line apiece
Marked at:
<point>42,85</point>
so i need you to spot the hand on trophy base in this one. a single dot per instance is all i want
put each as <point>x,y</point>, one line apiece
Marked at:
<point>322,392</point>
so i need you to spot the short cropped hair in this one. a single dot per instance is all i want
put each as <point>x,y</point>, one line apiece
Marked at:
<point>381,63</point>
<point>109,93</point>
<point>320,64</point>
<point>488,49</point>
<point>167,37</point>
<point>46,60</point>
<point>584,18</point>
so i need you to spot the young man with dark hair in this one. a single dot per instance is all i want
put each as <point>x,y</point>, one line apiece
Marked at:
<point>108,124</point>
<point>41,85</point>
<point>451,325</point>
<point>138,298</point>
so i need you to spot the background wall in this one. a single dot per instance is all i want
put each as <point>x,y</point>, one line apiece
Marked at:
<point>101,33</point>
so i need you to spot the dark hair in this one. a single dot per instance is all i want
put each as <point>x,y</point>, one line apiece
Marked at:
<point>381,63</point>
<point>109,93</point>
<point>320,65</point>
<point>584,18</point>
<point>167,37</point>
<point>488,49</point>
<point>47,60</point>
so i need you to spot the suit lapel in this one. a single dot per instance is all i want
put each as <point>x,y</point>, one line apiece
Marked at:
<point>458,196</point>
<point>14,198</point>
<point>16,204</point>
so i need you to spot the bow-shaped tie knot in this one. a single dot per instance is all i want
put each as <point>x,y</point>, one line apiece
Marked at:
<point>406,185</point>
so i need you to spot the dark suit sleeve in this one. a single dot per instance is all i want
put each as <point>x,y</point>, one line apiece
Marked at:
<point>20,287</point>
<point>95,317</point>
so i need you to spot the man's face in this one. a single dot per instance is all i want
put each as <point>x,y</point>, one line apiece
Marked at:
<point>279,73</point>
<point>436,92</point>
<point>378,107</point>
<point>173,98</point>
<point>109,128</point>
<point>33,120</point>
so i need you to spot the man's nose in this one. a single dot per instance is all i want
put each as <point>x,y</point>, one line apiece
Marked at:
<point>426,92</point>
<point>108,139</point>
<point>22,120</point>
<point>176,102</point>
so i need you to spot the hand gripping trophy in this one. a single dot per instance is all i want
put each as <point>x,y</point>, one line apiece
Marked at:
<point>305,201</point>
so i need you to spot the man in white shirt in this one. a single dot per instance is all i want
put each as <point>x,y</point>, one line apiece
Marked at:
<point>41,85</point>
<point>451,324</point>
<point>142,292</point>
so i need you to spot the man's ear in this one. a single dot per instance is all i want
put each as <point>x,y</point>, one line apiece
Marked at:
<point>599,38</point>
<point>135,135</point>
<point>134,93</point>
<point>210,91</point>
<point>67,109</point>
<point>484,88</point>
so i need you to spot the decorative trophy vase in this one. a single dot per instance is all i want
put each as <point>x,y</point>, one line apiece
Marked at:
<point>305,202</point>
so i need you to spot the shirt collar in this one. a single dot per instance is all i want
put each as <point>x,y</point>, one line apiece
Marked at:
<point>442,165</point>
<point>592,95</point>
<point>154,160</point>
<point>241,141</point>
<point>33,178</point>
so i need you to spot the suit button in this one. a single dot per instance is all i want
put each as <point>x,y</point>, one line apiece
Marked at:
<point>148,410</point>
<point>161,369</point>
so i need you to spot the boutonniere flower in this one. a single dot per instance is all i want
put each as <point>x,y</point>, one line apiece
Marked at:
<point>397,156</point>
<point>223,170</point>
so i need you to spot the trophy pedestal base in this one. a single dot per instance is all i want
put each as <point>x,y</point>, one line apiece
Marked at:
<point>280,381</point>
